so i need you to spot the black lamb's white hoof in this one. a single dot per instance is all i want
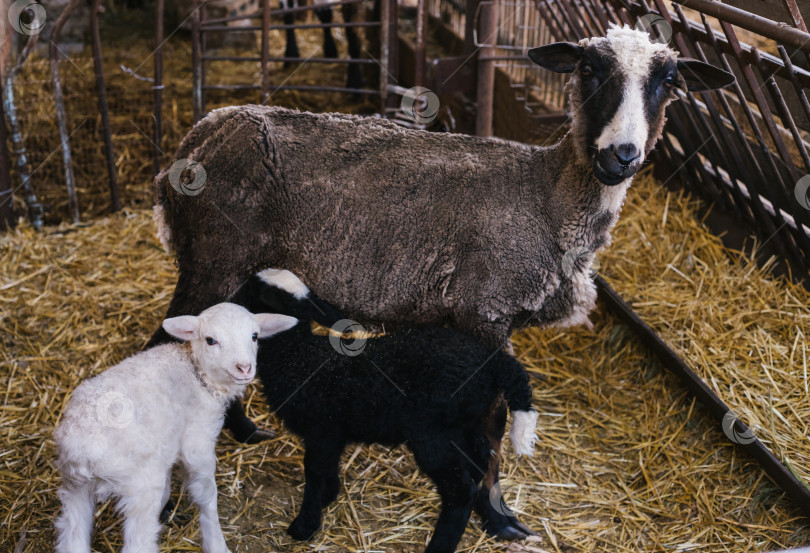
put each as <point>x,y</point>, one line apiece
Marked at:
<point>259,436</point>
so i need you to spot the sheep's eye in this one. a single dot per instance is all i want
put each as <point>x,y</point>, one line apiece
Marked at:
<point>586,71</point>
<point>669,82</point>
<point>255,336</point>
<point>210,341</point>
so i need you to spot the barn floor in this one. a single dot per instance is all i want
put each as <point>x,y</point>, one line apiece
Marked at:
<point>625,461</point>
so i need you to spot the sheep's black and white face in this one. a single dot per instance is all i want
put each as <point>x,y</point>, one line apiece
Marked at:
<point>619,91</point>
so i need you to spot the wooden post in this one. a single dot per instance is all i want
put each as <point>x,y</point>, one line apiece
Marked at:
<point>112,174</point>
<point>486,68</point>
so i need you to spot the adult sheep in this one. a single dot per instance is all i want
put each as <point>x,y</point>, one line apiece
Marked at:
<point>400,226</point>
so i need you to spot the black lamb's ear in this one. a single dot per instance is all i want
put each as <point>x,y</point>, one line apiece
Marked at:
<point>699,75</point>
<point>560,57</point>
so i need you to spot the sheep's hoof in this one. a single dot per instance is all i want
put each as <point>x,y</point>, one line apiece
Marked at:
<point>512,530</point>
<point>178,520</point>
<point>301,529</point>
<point>259,436</point>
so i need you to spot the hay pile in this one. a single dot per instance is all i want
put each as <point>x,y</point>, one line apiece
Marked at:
<point>626,461</point>
<point>130,98</point>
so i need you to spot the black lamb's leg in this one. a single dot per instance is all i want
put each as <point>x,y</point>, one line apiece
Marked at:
<point>291,51</point>
<point>321,465</point>
<point>354,76</point>
<point>497,520</point>
<point>329,47</point>
<point>444,458</point>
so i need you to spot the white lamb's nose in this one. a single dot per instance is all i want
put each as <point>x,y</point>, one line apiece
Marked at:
<point>243,367</point>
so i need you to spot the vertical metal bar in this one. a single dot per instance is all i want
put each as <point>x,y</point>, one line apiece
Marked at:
<point>421,23</point>
<point>6,190</point>
<point>61,116</point>
<point>203,50</point>
<point>112,173</point>
<point>385,45</point>
<point>486,68</point>
<point>265,51</point>
<point>157,86</point>
<point>196,62</point>
<point>393,46</point>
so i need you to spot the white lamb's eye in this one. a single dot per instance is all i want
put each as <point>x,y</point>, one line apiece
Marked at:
<point>255,336</point>
<point>210,341</point>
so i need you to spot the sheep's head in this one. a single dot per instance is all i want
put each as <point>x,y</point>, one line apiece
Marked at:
<point>224,341</point>
<point>619,90</point>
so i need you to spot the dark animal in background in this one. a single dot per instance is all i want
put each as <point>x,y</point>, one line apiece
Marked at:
<point>430,388</point>
<point>325,14</point>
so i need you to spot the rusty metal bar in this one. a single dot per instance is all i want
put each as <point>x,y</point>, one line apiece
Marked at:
<point>61,116</point>
<point>157,86</point>
<point>771,29</point>
<point>361,61</point>
<point>795,14</point>
<point>717,408</point>
<point>265,54</point>
<point>277,12</point>
<point>485,96</point>
<point>112,173</point>
<point>283,27</point>
<point>308,88</point>
<point>6,189</point>
<point>392,25</point>
<point>385,30</point>
<point>196,64</point>
<point>419,62</point>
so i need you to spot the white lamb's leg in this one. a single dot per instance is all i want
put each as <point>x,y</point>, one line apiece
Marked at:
<point>201,484</point>
<point>141,506</point>
<point>75,523</point>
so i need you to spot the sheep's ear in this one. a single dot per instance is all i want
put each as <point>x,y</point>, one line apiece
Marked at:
<point>560,57</point>
<point>271,323</point>
<point>699,75</point>
<point>184,327</point>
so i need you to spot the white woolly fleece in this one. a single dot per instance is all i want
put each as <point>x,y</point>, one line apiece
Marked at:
<point>281,278</point>
<point>523,432</point>
<point>164,233</point>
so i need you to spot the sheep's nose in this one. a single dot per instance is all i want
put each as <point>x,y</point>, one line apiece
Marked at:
<point>626,154</point>
<point>244,368</point>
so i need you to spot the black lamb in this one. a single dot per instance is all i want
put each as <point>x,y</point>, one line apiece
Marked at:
<point>431,388</point>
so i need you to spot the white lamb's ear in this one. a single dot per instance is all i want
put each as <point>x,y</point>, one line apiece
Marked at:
<point>271,323</point>
<point>184,327</point>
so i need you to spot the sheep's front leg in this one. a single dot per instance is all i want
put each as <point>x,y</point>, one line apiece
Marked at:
<point>201,463</point>
<point>321,465</point>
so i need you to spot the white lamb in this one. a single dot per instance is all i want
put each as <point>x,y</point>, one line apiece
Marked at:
<point>124,429</point>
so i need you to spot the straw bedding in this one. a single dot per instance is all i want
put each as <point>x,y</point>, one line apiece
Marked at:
<point>626,461</point>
